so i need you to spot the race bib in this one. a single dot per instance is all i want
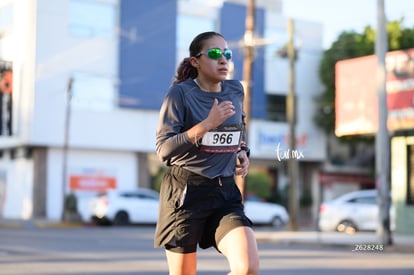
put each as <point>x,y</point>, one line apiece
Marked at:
<point>224,139</point>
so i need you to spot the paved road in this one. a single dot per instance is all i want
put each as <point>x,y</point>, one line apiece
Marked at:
<point>111,250</point>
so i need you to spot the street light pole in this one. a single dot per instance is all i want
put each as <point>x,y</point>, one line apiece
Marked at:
<point>66,145</point>
<point>248,59</point>
<point>291,116</point>
<point>248,43</point>
<point>382,141</point>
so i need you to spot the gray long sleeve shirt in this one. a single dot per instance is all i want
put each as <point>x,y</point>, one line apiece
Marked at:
<point>186,105</point>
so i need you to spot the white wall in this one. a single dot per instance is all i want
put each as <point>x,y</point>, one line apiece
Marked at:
<point>17,188</point>
<point>121,165</point>
<point>130,130</point>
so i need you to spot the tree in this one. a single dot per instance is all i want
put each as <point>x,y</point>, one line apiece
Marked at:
<point>258,184</point>
<point>351,44</point>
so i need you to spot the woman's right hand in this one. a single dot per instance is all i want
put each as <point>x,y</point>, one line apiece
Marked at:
<point>219,113</point>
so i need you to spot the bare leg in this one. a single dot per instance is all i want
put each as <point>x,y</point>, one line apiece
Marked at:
<point>240,248</point>
<point>182,264</point>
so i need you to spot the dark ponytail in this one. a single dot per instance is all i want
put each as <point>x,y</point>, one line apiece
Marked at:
<point>185,70</point>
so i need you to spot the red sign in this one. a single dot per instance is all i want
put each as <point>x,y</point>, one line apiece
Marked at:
<point>92,182</point>
<point>356,88</point>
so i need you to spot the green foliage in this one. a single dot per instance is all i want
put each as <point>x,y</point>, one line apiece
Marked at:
<point>259,184</point>
<point>71,203</point>
<point>157,178</point>
<point>280,196</point>
<point>352,45</point>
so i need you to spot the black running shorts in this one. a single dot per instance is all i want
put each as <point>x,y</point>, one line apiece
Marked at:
<point>195,210</point>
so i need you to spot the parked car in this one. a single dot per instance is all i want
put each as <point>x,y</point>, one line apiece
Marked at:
<point>265,213</point>
<point>141,207</point>
<point>351,212</point>
<point>138,206</point>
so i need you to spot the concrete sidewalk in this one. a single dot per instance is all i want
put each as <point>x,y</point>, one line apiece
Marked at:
<point>360,241</point>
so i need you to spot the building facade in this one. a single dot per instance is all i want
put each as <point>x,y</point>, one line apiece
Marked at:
<point>88,78</point>
<point>402,181</point>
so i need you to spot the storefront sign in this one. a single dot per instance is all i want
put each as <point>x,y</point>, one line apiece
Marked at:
<point>92,180</point>
<point>269,140</point>
<point>356,93</point>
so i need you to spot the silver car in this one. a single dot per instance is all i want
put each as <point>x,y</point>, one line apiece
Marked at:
<point>266,213</point>
<point>351,212</point>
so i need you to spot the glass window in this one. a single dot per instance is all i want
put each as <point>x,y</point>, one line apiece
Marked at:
<point>188,27</point>
<point>364,200</point>
<point>93,92</point>
<point>276,108</point>
<point>6,18</point>
<point>90,18</point>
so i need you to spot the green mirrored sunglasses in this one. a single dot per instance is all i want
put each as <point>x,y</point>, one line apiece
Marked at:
<point>216,53</point>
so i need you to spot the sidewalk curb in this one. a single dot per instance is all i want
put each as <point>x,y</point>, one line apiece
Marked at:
<point>58,224</point>
<point>39,224</point>
<point>10,224</point>
<point>403,244</point>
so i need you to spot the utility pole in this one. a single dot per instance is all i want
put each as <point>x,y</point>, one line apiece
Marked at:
<point>66,145</point>
<point>248,43</point>
<point>291,116</point>
<point>382,140</point>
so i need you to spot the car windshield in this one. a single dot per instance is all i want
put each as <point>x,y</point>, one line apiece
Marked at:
<point>364,200</point>
<point>141,194</point>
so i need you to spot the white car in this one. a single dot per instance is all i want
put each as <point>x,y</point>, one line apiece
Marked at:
<point>351,212</point>
<point>141,207</point>
<point>265,213</point>
<point>138,206</point>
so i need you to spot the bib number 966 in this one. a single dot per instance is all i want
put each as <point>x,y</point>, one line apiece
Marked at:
<point>221,138</point>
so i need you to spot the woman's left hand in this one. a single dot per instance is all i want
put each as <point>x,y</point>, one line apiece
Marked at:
<point>242,166</point>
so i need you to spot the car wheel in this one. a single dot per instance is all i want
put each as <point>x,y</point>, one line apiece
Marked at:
<point>121,218</point>
<point>346,227</point>
<point>277,222</point>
